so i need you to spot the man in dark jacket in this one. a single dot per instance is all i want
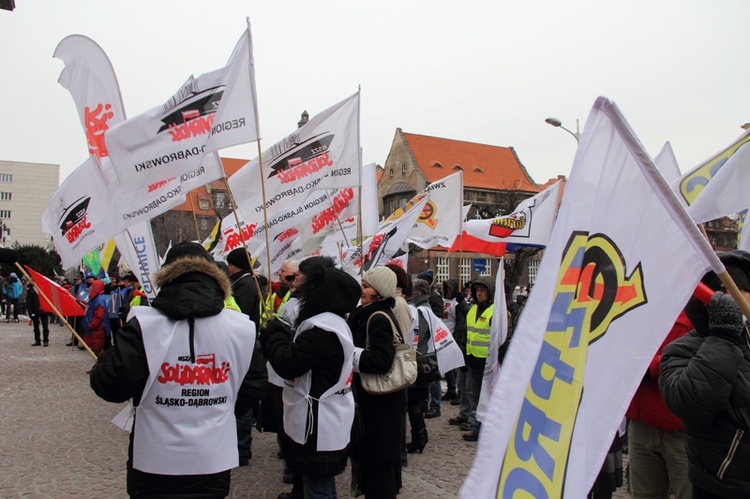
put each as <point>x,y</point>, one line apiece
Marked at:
<point>245,293</point>
<point>185,361</point>
<point>705,381</point>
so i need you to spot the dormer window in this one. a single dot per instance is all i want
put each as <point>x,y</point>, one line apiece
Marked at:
<point>203,204</point>
<point>457,167</point>
<point>478,170</point>
<point>437,165</point>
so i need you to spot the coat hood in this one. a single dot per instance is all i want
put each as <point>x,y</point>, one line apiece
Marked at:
<point>450,288</point>
<point>326,289</point>
<point>487,283</point>
<point>191,286</point>
<point>96,289</point>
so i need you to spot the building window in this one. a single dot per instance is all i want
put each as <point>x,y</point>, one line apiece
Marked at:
<point>5,196</point>
<point>533,269</point>
<point>403,169</point>
<point>487,268</point>
<point>4,213</point>
<point>6,177</point>
<point>464,271</point>
<point>203,204</point>
<point>443,268</point>
<point>391,173</point>
<point>204,223</point>
<point>220,199</point>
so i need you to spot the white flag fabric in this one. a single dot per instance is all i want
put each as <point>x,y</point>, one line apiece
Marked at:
<point>727,192</point>
<point>323,154</point>
<point>530,224</point>
<point>215,110</point>
<point>689,186</point>
<point>440,222</point>
<point>498,334</point>
<point>138,250</point>
<point>91,81</point>
<point>667,163</point>
<point>79,213</point>
<point>623,259</point>
<point>381,247</point>
<point>743,237</point>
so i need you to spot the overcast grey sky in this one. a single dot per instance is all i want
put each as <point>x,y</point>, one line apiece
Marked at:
<point>481,71</point>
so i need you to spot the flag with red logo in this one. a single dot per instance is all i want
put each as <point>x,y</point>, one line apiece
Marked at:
<point>623,259</point>
<point>381,247</point>
<point>213,111</point>
<point>79,215</point>
<point>529,224</point>
<point>62,300</point>
<point>441,219</point>
<point>90,78</point>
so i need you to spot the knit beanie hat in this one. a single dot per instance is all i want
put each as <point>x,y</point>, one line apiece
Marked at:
<point>737,264</point>
<point>420,287</point>
<point>186,250</point>
<point>402,279</point>
<point>428,275</point>
<point>239,258</point>
<point>382,280</point>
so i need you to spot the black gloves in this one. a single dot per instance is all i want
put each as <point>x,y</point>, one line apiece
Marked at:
<point>725,318</point>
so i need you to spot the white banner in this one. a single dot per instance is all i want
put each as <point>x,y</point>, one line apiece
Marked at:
<point>215,110</point>
<point>530,224</point>
<point>138,250</point>
<point>498,334</point>
<point>623,260</point>
<point>667,163</point>
<point>91,81</point>
<point>440,221</point>
<point>79,213</point>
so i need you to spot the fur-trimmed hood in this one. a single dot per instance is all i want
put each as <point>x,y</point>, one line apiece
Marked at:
<point>191,287</point>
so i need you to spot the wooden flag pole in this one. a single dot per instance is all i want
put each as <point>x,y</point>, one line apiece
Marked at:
<point>195,219</point>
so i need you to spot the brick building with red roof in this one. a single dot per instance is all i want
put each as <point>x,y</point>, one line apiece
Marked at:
<point>495,182</point>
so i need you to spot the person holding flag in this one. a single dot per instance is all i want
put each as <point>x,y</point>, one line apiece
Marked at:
<point>705,380</point>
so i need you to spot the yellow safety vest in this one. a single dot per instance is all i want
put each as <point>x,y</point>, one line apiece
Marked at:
<point>231,303</point>
<point>478,332</point>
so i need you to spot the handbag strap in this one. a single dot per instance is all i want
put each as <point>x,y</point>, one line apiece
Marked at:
<point>397,337</point>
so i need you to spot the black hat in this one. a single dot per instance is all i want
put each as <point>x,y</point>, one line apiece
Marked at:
<point>239,258</point>
<point>130,277</point>
<point>737,263</point>
<point>186,250</point>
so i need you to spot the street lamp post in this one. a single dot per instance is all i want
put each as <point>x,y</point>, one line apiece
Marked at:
<point>558,124</point>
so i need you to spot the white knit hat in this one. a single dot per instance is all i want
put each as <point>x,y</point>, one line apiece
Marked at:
<point>382,280</point>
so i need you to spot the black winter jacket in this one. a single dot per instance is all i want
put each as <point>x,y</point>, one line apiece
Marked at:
<point>189,287</point>
<point>705,380</point>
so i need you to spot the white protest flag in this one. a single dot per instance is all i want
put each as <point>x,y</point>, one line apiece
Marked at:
<point>138,250</point>
<point>79,213</point>
<point>743,235</point>
<point>402,261</point>
<point>322,154</point>
<point>89,77</point>
<point>441,219</point>
<point>498,334</point>
<point>623,259</point>
<point>692,183</point>
<point>667,163</point>
<point>530,224</point>
<point>727,192</point>
<point>172,139</point>
<point>381,247</point>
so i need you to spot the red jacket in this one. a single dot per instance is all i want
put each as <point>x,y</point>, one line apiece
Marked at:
<point>648,405</point>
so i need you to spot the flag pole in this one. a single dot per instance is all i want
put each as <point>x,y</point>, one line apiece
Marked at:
<point>57,312</point>
<point>244,243</point>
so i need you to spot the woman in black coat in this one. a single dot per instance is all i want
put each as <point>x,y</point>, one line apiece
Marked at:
<point>379,454</point>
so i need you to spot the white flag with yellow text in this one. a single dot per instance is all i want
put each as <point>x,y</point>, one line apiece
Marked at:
<point>623,259</point>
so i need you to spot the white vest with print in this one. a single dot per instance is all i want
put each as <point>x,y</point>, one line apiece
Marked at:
<point>449,355</point>
<point>335,406</point>
<point>185,422</point>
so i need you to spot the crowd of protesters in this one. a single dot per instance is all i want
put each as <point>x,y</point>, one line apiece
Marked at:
<point>298,347</point>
